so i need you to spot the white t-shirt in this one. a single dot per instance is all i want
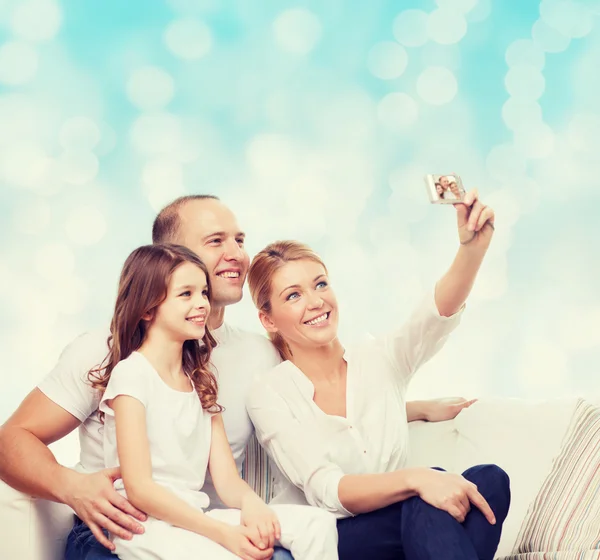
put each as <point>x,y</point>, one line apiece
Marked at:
<point>314,450</point>
<point>238,357</point>
<point>178,429</point>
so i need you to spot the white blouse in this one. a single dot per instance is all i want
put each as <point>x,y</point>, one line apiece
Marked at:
<point>314,450</point>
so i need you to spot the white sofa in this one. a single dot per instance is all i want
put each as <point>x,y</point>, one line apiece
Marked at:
<point>522,437</point>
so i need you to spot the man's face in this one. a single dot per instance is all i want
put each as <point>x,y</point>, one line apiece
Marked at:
<point>211,230</point>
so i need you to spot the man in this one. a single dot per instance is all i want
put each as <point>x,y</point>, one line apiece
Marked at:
<point>64,400</point>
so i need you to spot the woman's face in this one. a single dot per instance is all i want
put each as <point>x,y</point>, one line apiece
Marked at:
<point>439,189</point>
<point>304,308</point>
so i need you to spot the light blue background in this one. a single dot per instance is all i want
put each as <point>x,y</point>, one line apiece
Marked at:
<point>316,121</point>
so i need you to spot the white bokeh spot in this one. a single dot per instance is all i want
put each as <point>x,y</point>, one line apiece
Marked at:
<point>505,162</point>
<point>410,28</point>
<point>519,113</point>
<point>398,111</point>
<point>437,85</point>
<point>54,261</point>
<point>548,38</point>
<point>85,225</point>
<point>525,82</point>
<point>271,155</point>
<point>535,141</point>
<point>155,133</point>
<point>446,27</point>
<point>78,167</point>
<point>525,52</point>
<point>162,181</point>
<point>582,132</point>
<point>79,133</point>
<point>571,19</point>
<point>36,20</point>
<point>297,31</point>
<point>459,6</point>
<point>150,88</point>
<point>32,217</point>
<point>480,12</point>
<point>188,38</point>
<point>387,60</point>
<point>70,295</point>
<point>18,63</point>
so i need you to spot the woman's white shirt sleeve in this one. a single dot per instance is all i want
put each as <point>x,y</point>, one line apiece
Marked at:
<point>298,452</point>
<point>419,339</point>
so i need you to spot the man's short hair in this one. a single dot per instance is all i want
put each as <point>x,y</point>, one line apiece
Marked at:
<point>165,228</point>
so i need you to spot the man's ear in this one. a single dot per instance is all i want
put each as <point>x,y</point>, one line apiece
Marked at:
<point>266,321</point>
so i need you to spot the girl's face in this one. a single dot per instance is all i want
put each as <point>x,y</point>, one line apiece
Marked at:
<point>184,312</point>
<point>439,189</point>
<point>304,308</point>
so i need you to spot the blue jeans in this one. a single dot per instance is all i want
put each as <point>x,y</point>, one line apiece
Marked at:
<point>414,530</point>
<point>82,545</point>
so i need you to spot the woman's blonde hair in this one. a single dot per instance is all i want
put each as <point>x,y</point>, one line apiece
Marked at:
<point>260,279</point>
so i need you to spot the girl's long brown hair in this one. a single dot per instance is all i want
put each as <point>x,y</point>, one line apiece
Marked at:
<point>142,288</point>
<point>260,279</point>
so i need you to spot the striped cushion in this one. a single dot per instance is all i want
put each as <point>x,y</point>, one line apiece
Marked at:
<point>563,522</point>
<point>256,470</point>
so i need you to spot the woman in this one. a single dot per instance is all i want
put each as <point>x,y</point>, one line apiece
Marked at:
<point>334,419</point>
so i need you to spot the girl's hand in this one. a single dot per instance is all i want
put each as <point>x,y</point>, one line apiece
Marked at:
<point>440,410</point>
<point>452,493</point>
<point>238,540</point>
<point>261,521</point>
<point>475,221</point>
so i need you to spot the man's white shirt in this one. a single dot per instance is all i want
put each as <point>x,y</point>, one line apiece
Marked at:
<point>239,356</point>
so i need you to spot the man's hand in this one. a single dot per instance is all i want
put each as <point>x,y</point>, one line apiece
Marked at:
<point>95,501</point>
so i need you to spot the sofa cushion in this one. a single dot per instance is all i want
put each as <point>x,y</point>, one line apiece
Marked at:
<point>432,444</point>
<point>522,437</point>
<point>565,515</point>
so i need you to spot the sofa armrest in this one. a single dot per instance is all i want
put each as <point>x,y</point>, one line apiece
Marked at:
<point>32,529</point>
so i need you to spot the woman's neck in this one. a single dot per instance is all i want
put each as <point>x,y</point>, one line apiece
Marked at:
<point>164,353</point>
<point>320,363</point>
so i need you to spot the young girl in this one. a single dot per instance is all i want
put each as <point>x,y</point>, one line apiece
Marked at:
<point>163,427</point>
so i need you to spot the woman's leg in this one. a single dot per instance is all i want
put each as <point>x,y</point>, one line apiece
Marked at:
<point>494,485</point>
<point>408,530</point>
<point>429,533</point>
<point>372,536</point>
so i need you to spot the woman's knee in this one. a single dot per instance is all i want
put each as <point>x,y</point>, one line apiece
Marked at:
<point>493,484</point>
<point>489,474</point>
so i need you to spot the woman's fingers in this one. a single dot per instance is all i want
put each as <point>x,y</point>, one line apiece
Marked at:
<point>478,500</point>
<point>487,215</point>
<point>476,210</point>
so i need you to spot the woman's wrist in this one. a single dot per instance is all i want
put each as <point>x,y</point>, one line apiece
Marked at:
<point>218,531</point>
<point>413,479</point>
